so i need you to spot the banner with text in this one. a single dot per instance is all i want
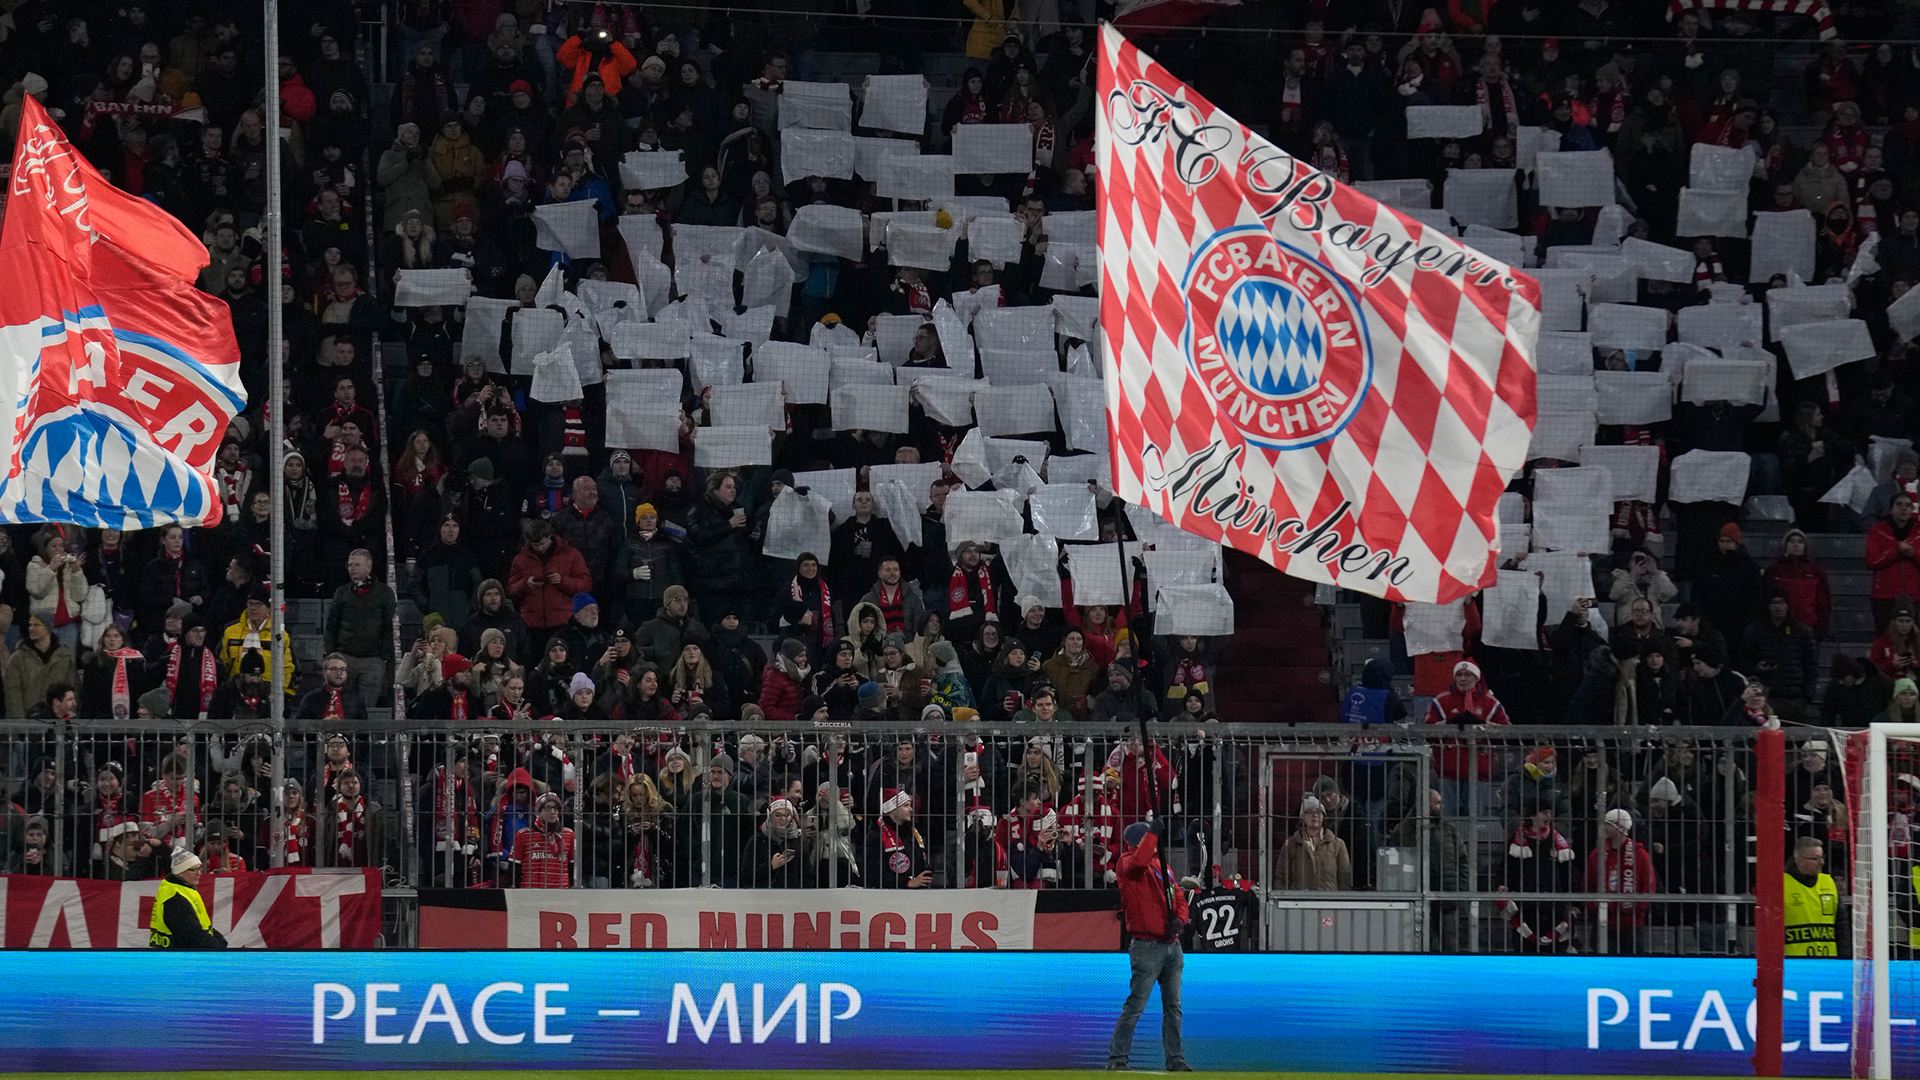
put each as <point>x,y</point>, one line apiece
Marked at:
<point>281,909</point>
<point>993,919</point>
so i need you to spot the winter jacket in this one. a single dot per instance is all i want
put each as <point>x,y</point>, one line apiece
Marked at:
<point>723,563</point>
<point>619,498</point>
<point>780,690</point>
<point>1480,707</point>
<point>1856,706</point>
<point>44,585</point>
<point>1321,865</point>
<point>1074,681</point>
<point>445,579</point>
<point>658,551</point>
<point>544,605</point>
<point>1144,888</point>
<point>660,639</point>
<point>409,180</point>
<point>1809,600</point>
<point>29,672</point>
<point>360,620</point>
<point>613,68</point>
<point>1894,574</point>
<point>596,538</point>
<point>1784,657</point>
<point>1728,590</point>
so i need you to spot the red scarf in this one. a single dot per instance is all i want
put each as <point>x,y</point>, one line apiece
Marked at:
<point>957,598</point>
<point>1509,108</point>
<point>1044,138</point>
<point>337,459</point>
<point>448,793</point>
<point>336,709</point>
<point>574,430</point>
<point>296,847</point>
<point>166,803</point>
<point>209,674</point>
<point>350,822</point>
<point>1292,93</point>
<point>891,607</point>
<point>354,507</point>
<point>1521,847</point>
<point>825,628</point>
<point>459,707</point>
<point>122,688</point>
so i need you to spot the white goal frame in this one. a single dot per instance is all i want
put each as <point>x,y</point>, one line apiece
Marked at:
<point>1880,1064</point>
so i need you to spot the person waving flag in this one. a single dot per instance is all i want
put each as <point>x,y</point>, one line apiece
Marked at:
<point>1294,369</point>
<point>119,376</point>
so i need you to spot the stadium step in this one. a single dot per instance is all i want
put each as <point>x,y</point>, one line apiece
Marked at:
<point>1276,667</point>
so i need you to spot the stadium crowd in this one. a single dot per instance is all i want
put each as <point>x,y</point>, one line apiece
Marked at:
<point>559,576</point>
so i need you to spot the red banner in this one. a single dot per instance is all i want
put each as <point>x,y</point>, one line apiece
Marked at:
<point>280,909</point>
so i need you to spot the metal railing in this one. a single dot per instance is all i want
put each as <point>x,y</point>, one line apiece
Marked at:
<point>1420,849</point>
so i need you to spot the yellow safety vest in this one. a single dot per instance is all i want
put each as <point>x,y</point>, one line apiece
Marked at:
<point>1913,932</point>
<point>1810,913</point>
<point>158,936</point>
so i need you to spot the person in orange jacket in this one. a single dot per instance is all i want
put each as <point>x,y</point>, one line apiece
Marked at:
<point>596,51</point>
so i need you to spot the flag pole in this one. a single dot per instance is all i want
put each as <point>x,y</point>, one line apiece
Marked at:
<point>275,408</point>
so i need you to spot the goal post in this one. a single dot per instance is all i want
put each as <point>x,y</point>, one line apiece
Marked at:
<point>1877,920</point>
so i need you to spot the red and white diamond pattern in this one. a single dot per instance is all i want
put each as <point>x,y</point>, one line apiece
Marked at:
<point>1445,424</point>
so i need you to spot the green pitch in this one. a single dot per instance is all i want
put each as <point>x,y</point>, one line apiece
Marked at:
<point>614,1074</point>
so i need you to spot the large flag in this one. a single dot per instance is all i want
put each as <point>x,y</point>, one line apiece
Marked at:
<point>1294,369</point>
<point>117,376</point>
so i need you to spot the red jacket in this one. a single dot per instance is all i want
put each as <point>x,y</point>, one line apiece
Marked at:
<point>1622,877</point>
<point>547,606</point>
<point>780,694</point>
<point>1805,584</point>
<point>1894,574</point>
<point>1452,762</point>
<point>613,70</point>
<point>296,100</point>
<point>1144,892</point>
<point>1136,798</point>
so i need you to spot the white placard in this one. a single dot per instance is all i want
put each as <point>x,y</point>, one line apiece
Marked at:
<point>1031,562</point>
<point>427,288</point>
<point>1783,243</point>
<point>642,234</point>
<point>1808,304</point>
<point>992,148</point>
<point>805,370</point>
<point>1738,382</point>
<point>1434,628</point>
<point>1561,305</point>
<point>652,170</point>
<point>643,409</point>
<point>708,279</point>
<point>1019,367</point>
<point>835,486</point>
<point>767,282</point>
<point>824,106</point>
<point>1817,348</point>
<point>1532,142</point>
<point>1709,476</point>
<point>1904,315</point>
<point>927,247</point>
<point>733,447</point>
<point>861,371</point>
<point>716,361</point>
<point>1076,317</point>
<point>1097,577</point>
<point>869,152</point>
<point>870,407</point>
<point>996,239</point>
<point>798,524</point>
<point>753,325</point>
<point>805,153</point>
<point>1015,328</point>
<point>1633,471</point>
<point>1510,611</point>
<point>1564,352</point>
<point>895,103</point>
<point>480,333</point>
<point>926,176</point>
<point>1073,227</point>
<point>1082,405</point>
<point>955,342</point>
<point>1503,247</point>
<point>829,230</point>
<point>1575,178</point>
<point>1720,168</point>
<point>1634,397</point>
<point>572,228</point>
<point>984,516</point>
<point>1444,121</point>
<point>1191,610</point>
<point>650,341</point>
<point>1064,511</point>
<point>1711,213</point>
<point>1722,327</point>
<point>1658,262</point>
<point>947,399</point>
<point>1399,194</point>
<point>555,378</point>
<point>1627,326</point>
<point>893,336</point>
<point>1001,452</point>
<point>1564,576</point>
<point>749,405</point>
<point>1571,509</point>
<point>1014,410</point>
<point>917,478</point>
<point>535,330</point>
<point>1168,566</point>
<point>1482,197</point>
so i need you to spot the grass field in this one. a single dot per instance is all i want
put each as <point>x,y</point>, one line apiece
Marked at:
<point>615,1074</point>
<point>701,1075</point>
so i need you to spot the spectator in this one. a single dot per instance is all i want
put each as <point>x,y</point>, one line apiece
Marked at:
<point>1781,651</point>
<point>42,661</point>
<point>1122,702</point>
<point>1803,583</point>
<point>446,576</point>
<point>1891,557</point>
<point>1857,693</point>
<point>1540,861</point>
<point>717,529</point>
<point>1729,585</point>
<point>1313,858</point>
<point>1643,578</point>
<point>1073,673</point>
<point>649,564</point>
<point>359,624</point>
<point>336,697</point>
<point>1622,864</point>
<point>546,575</point>
<point>1466,703</point>
<point>1897,650</point>
<point>895,855</point>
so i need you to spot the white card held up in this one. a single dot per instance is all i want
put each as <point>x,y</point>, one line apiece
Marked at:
<point>870,407</point>
<point>1483,197</point>
<point>918,479</point>
<point>925,176</point>
<point>869,152</point>
<point>1904,315</point>
<point>799,524</point>
<point>1510,611</point>
<point>1192,610</point>
<point>651,171</point>
<point>1711,213</point>
<point>1065,511</point>
<point>1634,397</point>
<point>1817,348</point>
<point>829,230</point>
<point>427,288</point>
<point>805,152</point>
<point>535,330</point>
<point>992,148</point>
<point>825,106</point>
<point>895,103</point>
<point>1563,297</point>
<point>1564,352</point>
<point>1783,243</point>
<point>1575,178</point>
<point>1720,168</point>
<point>1627,326</point>
<point>1399,194</point>
<point>749,405</point>
<point>732,447</point>
<point>554,376</point>
<point>995,238</point>
<point>893,336</point>
<point>1444,121</point>
<point>927,247</point>
<point>1633,471</point>
<point>984,516</point>
<point>1658,262</point>
<point>1014,410</point>
<point>947,399</point>
<point>572,228</point>
<point>1709,476</point>
<point>805,371</point>
<point>651,341</point>
<point>1723,327</point>
<point>1737,382</point>
<point>847,371</point>
<point>1434,628</point>
<point>1810,304</point>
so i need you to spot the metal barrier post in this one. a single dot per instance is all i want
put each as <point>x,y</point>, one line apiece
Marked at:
<point>58,850</point>
<point>1599,809</point>
<point>1221,749</point>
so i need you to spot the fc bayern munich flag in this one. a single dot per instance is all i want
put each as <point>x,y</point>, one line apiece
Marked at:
<point>117,377</point>
<point>1294,369</point>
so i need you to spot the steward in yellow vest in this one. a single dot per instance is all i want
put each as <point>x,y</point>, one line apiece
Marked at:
<point>1812,903</point>
<point>180,919</point>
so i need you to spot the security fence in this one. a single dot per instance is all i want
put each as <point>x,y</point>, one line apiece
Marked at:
<point>1350,839</point>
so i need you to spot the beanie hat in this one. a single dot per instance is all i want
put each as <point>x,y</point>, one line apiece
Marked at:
<point>1467,666</point>
<point>1731,530</point>
<point>452,664</point>
<point>674,592</point>
<point>895,640</point>
<point>252,662</point>
<point>1121,672</point>
<point>943,652</point>
<point>871,694</point>
<point>583,600</point>
<point>783,477</point>
<point>1621,818</point>
<point>1028,603</point>
<point>1541,756</point>
<point>894,799</point>
<point>1136,833</point>
<point>184,860</point>
<point>520,86</point>
<point>579,682</point>
<point>643,510</point>
<point>793,649</point>
<point>1664,788</point>
<point>721,761</point>
<point>1311,805</point>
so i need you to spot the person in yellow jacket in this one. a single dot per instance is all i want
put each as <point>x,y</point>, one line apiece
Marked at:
<point>1813,902</point>
<point>254,630</point>
<point>180,919</point>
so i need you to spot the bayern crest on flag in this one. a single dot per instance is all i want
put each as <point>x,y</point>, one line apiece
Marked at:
<point>1296,370</point>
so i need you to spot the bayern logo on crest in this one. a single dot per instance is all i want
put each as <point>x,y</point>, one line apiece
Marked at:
<point>1276,338</point>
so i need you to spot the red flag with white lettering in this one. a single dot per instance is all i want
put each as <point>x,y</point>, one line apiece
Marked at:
<point>277,909</point>
<point>120,376</point>
<point>1294,369</point>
